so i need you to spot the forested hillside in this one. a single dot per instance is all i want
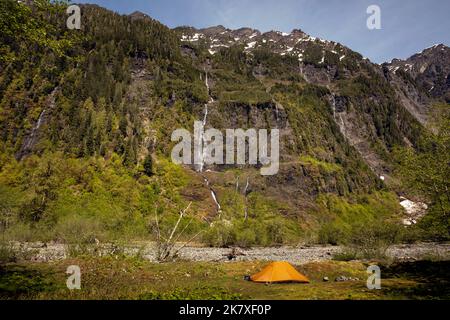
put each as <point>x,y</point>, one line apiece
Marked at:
<point>86,118</point>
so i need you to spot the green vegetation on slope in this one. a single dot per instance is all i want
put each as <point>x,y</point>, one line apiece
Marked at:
<point>86,120</point>
<point>426,171</point>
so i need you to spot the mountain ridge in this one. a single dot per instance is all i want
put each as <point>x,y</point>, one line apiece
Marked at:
<point>90,115</point>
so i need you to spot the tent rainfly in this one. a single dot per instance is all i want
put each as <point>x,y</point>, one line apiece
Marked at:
<point>279,272</point>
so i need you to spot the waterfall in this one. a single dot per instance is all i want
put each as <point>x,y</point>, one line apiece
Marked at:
<point>303,74</point>
<point>340,123</point>
<point>39,122</point>
<point>201,138</point>
<point>333,105</point>
<point>31,139</point>
<point>214,196</point>
<point>202,142</point>
<point>208,89</point>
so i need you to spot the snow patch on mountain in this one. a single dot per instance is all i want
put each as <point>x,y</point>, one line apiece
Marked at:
<point>414,211</point>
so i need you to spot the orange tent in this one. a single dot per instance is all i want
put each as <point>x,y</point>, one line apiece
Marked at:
<point>279,272</point>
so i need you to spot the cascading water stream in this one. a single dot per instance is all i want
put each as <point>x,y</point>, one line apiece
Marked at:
<point>201,138</point>
<point>31,139</point>
<point>202,142</point>
<point>342,125</point>
<point>302,73</point>
<point>35,129</point>
<point>333,104</point>
<point>341,122</point>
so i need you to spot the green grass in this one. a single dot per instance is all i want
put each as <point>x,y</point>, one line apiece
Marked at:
<point>321,165</point>
<point>122,278</point>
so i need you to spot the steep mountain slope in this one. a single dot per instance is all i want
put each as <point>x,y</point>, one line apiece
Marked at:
<point>421,79</point>
<point>430,69</point>
<point>86,124</point>
<point>364,106</point>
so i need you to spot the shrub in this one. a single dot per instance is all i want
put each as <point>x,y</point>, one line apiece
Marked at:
<point>342,218</point>
<point>7,253</point>
<point>277,232</point>
<point>11,253</point>
<point>220,234</point>
<point>371,241</point>
<point>345,255</point>
<point>20,282</point>
<point>74,229</point>
<point>412,234</point>
<point>251,232</point>
<point>238,232</point>
<point>333,234</point>
<point>246,237</point>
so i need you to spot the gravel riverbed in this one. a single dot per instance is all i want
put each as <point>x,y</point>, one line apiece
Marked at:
<point>43,252</point>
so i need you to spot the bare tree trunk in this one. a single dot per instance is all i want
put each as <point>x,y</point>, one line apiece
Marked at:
<point>165,249</point>
<point>178,222</point>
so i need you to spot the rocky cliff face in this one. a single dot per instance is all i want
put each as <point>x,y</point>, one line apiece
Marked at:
<point>373,106</point>
<point>421,79</point>
<point>339,114</point>
<point>430,69</point>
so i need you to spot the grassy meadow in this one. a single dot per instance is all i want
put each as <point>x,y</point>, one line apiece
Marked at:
<point>136,279</point>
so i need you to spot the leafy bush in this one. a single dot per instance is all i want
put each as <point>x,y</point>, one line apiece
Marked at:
<point>333,234</point>
<point>7,253</point>
<point>220,234</point>
<point>372,241</point>
<point>21,282</point>
<point>342,220</point>
<point>345,255</point>
<point>280,231</point>
<point>369,241</point>
<point>251,232</point>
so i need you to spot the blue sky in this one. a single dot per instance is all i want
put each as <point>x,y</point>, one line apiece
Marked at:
<point>408,26</point>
